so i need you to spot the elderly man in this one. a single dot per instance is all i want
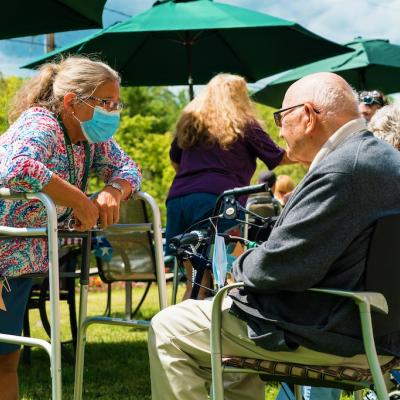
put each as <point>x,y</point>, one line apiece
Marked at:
<point>320,239</point>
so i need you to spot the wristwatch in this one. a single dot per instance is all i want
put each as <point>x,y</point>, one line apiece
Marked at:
<point>116,186</point>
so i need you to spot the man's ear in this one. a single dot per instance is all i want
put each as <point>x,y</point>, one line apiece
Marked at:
<point>69,102</point>
<point>311,117</point>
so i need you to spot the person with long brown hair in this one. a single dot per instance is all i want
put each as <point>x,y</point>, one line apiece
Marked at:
<point>217,140</point>
<point>62,123</point>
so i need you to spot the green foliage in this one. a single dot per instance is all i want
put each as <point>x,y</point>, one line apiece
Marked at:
<point>151,151</point>
<point>157,102</point>
<point>8,87</point>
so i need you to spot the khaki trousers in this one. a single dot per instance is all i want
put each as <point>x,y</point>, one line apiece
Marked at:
<point>179,351</point>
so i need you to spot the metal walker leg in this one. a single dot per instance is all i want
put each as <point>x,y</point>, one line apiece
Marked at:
<point>54,347</point>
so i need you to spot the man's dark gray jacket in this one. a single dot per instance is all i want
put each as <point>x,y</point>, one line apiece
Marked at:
<point>321,240</point>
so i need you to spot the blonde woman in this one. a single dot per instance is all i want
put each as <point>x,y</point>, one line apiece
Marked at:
<point>63,121</point>
<point>217,141</point>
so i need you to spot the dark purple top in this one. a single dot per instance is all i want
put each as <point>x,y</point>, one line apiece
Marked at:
<point>211,169</point>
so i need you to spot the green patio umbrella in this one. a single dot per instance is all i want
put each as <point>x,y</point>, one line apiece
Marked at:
<point>184,41</point>
<point>28,17</point>
<point>373,64</point>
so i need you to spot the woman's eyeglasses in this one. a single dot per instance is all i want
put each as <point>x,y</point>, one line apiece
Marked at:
<point>107,103</point>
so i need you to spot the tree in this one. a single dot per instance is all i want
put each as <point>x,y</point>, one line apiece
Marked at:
<point>157,102</point>
<point>8,87</point>
<point>151,151</point>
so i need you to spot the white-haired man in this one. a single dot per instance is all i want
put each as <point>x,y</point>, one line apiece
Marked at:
<point>320,239</point>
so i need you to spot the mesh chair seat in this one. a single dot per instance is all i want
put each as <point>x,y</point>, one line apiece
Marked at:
<point>321,373</point>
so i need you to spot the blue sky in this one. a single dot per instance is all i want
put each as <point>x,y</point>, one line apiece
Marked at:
<point>337,20</point>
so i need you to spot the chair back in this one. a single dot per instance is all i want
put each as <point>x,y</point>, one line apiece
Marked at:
<point>133,257</point>
<point>383,272</point>
<point>264,205</point>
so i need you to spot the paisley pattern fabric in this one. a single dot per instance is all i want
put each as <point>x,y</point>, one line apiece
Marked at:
<point>31,150</point>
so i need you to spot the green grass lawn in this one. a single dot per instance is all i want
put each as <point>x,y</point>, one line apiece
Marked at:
<point>116,361</point>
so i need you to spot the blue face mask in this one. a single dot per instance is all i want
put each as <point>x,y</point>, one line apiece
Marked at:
<point>102,126</point>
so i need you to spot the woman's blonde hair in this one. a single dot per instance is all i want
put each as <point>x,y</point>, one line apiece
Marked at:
<point>385,124</point>
<point>76,74</point>
<point>218,114</point>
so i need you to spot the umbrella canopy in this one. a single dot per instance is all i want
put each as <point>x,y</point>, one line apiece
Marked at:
<point>180,41</point>
<point>373,64</point>
<point>27,17</point>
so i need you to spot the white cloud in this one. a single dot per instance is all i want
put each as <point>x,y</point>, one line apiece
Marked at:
<point>338,20</point>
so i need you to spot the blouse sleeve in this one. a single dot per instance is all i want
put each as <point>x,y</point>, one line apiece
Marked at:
<point>27,167</point>
<point>175,152</point>
<point>263,146</point>
<point>111,162</point>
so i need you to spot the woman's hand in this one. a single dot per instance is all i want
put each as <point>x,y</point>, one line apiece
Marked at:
<point>86,215</point>
<point>107,203</point>
<point>64,194</point>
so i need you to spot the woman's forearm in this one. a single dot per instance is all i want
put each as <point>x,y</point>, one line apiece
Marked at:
<point>63,193</point>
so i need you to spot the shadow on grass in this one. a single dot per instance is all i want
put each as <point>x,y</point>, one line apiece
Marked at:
<point>112,371</point>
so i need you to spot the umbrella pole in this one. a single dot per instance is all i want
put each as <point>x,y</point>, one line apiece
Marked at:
<point>361,79</point>
<point>188,46</point>
<point>191,92</point>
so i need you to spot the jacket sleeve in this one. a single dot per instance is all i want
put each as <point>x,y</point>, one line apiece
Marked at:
<point>297,255</point>
<point>111,162</point>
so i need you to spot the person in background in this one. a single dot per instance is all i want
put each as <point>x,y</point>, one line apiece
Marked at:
<point>370,102</point>
<point>283,187</point>
<point>217,140</point>
<point>385,125</point>
<point>63,121</point>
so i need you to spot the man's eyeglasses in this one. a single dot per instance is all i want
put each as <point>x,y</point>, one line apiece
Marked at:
<point>278,114</point>
<point>371,98</point>
<point>107,103</point>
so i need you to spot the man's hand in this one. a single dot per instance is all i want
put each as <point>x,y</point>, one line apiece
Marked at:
<point>108,203</point>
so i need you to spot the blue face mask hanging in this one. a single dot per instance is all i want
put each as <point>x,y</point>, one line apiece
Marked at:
<point>219,262</point>
<point>102,126</point>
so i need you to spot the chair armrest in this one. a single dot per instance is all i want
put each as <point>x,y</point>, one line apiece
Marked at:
<point>376,300</point>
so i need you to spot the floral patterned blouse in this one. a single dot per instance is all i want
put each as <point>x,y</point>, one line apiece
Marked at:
<point>31,150</point>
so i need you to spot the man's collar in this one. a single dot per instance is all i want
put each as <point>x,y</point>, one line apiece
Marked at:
<point>346,130</point>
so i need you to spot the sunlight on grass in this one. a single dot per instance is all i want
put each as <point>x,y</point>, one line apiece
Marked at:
<point>116,361</point>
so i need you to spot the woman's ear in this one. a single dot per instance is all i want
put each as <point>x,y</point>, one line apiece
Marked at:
<point>69,102</point>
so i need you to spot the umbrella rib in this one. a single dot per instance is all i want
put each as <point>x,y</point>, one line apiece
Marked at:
<point>183,39</point>
<point>133,55</point>
<point>94,22</point>
<point>352,57</point>
<point>248,75</point>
